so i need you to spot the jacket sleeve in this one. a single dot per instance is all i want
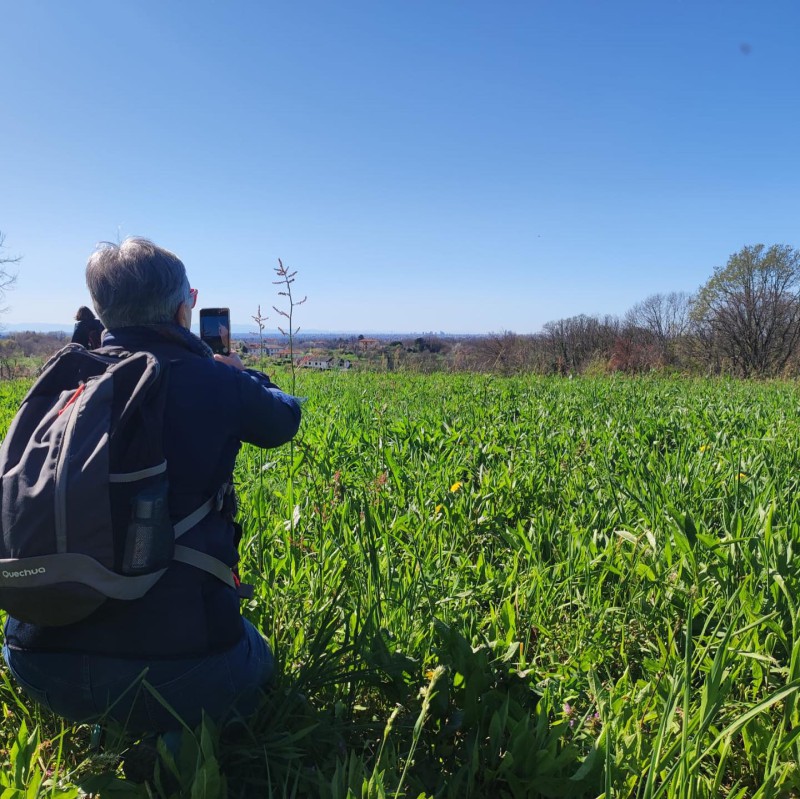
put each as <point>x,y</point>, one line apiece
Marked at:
<point>269,417</point>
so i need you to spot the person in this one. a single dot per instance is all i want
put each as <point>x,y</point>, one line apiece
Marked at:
<point>183,649</point>
<point>88,329</point>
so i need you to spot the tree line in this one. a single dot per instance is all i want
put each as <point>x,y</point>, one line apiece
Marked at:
<point>744,321</point>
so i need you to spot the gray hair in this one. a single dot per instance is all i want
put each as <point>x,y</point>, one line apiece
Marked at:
<point>135,283</point>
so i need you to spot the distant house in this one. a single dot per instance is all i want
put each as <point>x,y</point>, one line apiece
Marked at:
<point>365,344</point>
<point>315,362</point>
<point>272,349</point>
<point>319,362</point>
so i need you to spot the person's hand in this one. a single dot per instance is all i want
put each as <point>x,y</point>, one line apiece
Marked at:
<point>232,360</point>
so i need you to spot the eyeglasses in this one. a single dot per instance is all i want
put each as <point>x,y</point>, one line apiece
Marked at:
<point>193,297</point>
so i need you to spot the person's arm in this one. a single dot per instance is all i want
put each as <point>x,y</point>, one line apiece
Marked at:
<point>268,417</point>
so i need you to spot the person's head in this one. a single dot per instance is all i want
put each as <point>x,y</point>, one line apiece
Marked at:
<point>138,283</point>
<point>84,314</point>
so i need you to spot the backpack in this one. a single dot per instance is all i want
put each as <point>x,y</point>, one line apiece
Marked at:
<point>84,496</point>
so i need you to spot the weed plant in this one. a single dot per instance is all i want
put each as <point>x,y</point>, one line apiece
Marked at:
<point>501,587</point>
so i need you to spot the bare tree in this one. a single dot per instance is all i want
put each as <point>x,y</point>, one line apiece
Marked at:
<point>503,353</point>
<point>750,309</point>
<point>7,277</point>
<point>665,316</point>
<point>658,325</point>
<point>577,340</point>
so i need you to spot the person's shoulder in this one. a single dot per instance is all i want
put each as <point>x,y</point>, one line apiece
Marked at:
<point>198,364</point>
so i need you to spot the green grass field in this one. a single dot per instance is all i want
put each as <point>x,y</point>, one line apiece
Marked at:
<point>485,587</point>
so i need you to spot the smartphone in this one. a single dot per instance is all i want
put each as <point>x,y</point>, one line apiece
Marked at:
<point>215,329</point>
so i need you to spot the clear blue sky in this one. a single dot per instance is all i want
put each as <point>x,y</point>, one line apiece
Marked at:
<point>456,165</point>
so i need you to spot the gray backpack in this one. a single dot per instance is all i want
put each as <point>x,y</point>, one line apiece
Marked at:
<point>84,497</point>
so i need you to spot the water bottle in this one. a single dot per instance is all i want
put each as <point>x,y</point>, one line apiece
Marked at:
<point>150,541</point>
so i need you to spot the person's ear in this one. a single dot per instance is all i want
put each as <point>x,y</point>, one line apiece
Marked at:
<point>183,316</point>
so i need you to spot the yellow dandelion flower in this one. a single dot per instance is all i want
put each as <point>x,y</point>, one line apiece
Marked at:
<point>742,476</point>
<point>455,486</point>
<point>437,509</point>
<point>704,448</point>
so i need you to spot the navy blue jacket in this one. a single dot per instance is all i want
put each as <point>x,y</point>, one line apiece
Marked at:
<point>211,408</point>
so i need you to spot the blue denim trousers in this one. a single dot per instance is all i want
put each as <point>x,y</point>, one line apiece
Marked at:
<point>147,696</point>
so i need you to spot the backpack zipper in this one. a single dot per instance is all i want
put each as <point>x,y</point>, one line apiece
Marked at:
<point>78,392</point>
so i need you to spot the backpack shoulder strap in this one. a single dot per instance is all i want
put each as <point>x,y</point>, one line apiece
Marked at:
<point>196,516</point>
<point>208,563</point>
<point>202,560</point>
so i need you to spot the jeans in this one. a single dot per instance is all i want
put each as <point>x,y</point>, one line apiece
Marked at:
<point>147,696</point>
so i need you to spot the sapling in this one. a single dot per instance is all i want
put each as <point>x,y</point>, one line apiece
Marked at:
<point>285,279</point>
<point>260,320</point>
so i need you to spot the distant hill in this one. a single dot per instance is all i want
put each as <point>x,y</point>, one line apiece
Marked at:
<point>37,327</point>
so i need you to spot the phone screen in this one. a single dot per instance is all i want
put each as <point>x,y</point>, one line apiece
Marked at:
<point>215,329</point>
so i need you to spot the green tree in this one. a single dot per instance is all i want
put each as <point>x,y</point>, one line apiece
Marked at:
<point>749,311</point>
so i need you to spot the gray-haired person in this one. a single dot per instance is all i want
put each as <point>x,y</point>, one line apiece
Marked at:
<point>184,647</point>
